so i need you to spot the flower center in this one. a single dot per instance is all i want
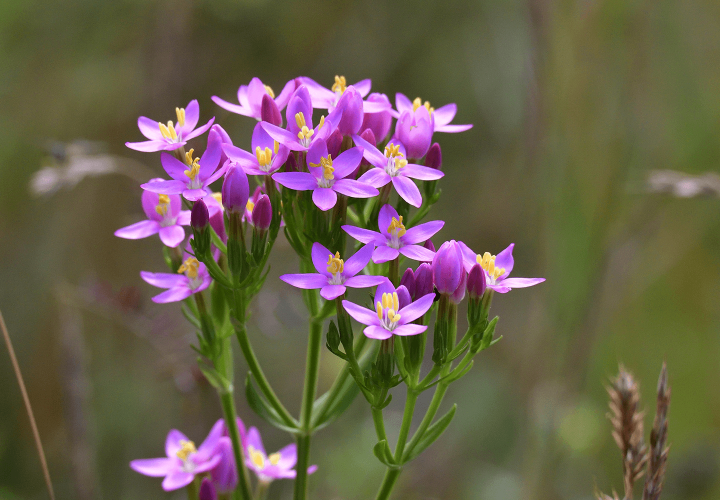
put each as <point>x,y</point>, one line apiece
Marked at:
<point>193,170</point>
<point>163,204</point>
<point>396,160</point>
<point>327,166</point>
<point>257,457</point>
<point>264,157</point>
<point>180,112</point>
<point>336,266</point>
<point>340,85</point>
<point>187,448</point>
<point>190,267</point>
<point>250,206</point>
<point>487,262</point>
<point>418,102</point>
<point>396,230</point>
<point>387,310</point>
<point>270,92</point>
<point>169,131</point>
<point>274,459</point>
<point>305,132</point>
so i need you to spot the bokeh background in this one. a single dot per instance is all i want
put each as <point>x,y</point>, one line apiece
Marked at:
<point>575,105</point>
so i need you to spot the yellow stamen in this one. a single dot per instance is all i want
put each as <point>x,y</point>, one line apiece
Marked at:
<point>190,268</point>
<point>168,131</point>
<point>250,206</point>
<point>418,102</point>
<point>276,146</point>
<point>379,309</point>
<point>340,84</point>
<point>180,112</point>
<point>257,457</point>
<point>269,91</point>
<point>335,264</point>
<point>397,225</point>
<point>264,157</point>
<point>326,164</point>
<point>218,197</point>
<point>321,122</point>
<point>393,316</point>
<point>274,458</point>
<point>163,204</point>
<point>305,132</point>
<point>396,301</point>
<point>392,150</point>
<point>487,262</point>
<point>186,449</point>
<point>194,165</point>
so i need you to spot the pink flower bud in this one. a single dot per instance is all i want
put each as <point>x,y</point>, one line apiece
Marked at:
<point>476,282</point>
<point>269,111</point>
<point>199,216</point>
<point>447,266</point>
<point>262,213</point>
<point>408,281</point>
<point>423,281</point>
<point>235,190</point>
<point>434,157</point>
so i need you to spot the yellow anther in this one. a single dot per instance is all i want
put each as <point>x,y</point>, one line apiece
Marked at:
<point>300,119</point>
<point>418,102</point>
<point>168,131</point>
<point>194,165</point>
<point>180,112</point>
<point>335,264</point>
<point>276,146</point>
<point>392,316</point>
<point>250,206</point>
<point>257,457</point>
<point>397,226</point>
<point>379,309</point>
<point>264,157</point>
<point>487,262</point>
<point>321,122</point>
<point>274,458</point>
<point>190,268</point>
<point>163,204</point>
<point>396,301</point>
<point>386,300</point>
<point>269,91</point>
<point>218,197</point>
<point>340,84</point>
<point>326,164</point>
<point>392,150</point>
<point>400,163</point>
<point>186,449</point>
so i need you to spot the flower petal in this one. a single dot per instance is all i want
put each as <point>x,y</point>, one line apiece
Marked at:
<point>364,235</point>
<point>237,154</point>
<point>363,86</point>
<point>354,189</point>
<point>174,295</point>
<point>153,467</point>
<point>414,310</point>
<point>418,253</point>
<point>422,173</point>
<point>453,129</point>
<point>331,292</point>
<point>152,146</point>
<point>163,280</point>
<point>384,253</point>
<point>192,115</point>
<point>405,330</point>
<point>176,480</point>
<point>407,190</point>
<point>375,177</point>
<point>285,94</point>
<point>361,314</point>
<point>172,236</point>
<point>172,442</point>
<point>233,108</point>
<point>364,281</point>
<point>288,456</point>
<point>384,287</point>
<point>505,260</point>
<point>377,332</point>
<point>283,136</point>
<point>141,229</point>
<point>324,198</point>
<point>402,103</point>
<point>422,232</point>
<point>308,281</point>
<point>320,255</point>
<point>200,130</point>
<point>357,262</point>
<point>520,282</point>
<point>385,217</point>
<point>298,181</point>
<point>211,157</point>
<point>174,167</point>
<point>370,152</point>
<point>444,114</point>
<point>150,129</point>
<point>164,187</point>
<point>347,162</point>
<point>195,194</point>
<point>253,439</point>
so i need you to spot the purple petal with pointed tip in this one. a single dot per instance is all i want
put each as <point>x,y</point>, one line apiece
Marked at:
<point>386,215</point>
<point>150,129</point>
<point>505,260</point>
<point>357,262</point>
<point>416,252</point>
<point>375,177</point>
<point>199,131</point>
<point>163,280</point>
<point>153,467</point>
<point>364,235</point>
<point>364,281</point>
<point>384,253</point>
<point>324,198</point>
<point>152,146</point>
<point>406,330</point>
<point>233,108</point>
<point>407,190</point>
<point>422,232</point>
<point>164,187</point>
<point>371,153</point>
<point>422,173</point>
<point>305,281</point>
<point>346,162</point>
<point>141,229</point>
<point>354,189</point>
<point>331,292</point>
<point>361,314</point>
<point>172,442</point>
<point>377,332</point>
<point>520,282</point>
<point>173,295</point>
<point>172,236</point>
<point>413,311</point>
<point>298,181</point>
<point>176,480</point>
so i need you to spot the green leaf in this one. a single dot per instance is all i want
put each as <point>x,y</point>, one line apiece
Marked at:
<point>431,434</point>
<point>263,408</point>
<point>383,453</point>
<point>215,378</point>
<point>343,400</point>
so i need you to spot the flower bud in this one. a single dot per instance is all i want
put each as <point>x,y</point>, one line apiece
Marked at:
<point>429,245</point>
<point>235,190</point>
<point>447,266</point>
<point>207,490</point>
<point>379,122</point>
<point>199,216</point>
<point>459,294</point>
<point>369,136</point>
<point>224,139</point>
<point>433,159</point>
<point>291,164</point>
<point>408,281</point>
<point>423,281</point>
<point>269,111</point>
<point>224,475</point>
<point>334,142</point>
<point>262,213</point>
<point>351,103</point>
<point>404,298</point>
<point>476,282</point>
<point>415,130</point>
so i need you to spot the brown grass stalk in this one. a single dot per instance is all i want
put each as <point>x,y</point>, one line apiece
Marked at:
<point>28,407</point>
<point>658,441</point>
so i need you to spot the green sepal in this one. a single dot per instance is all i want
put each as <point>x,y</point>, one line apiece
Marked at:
<point>383,453</point>
<point>487,337</point>
<point>263,409</point>
<point>430,435</point>
<point>215,378</point>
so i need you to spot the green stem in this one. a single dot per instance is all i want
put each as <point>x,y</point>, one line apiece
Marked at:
<point>429,415</point>
<point>228,405</point>
<point>388,483</point>
<point>394,273</point>
<point>410,401</point>
<point>261,491</point>
<point>252,361</point>
<point>301,482</point>
<point>379,422</point>
<point>193,490</point>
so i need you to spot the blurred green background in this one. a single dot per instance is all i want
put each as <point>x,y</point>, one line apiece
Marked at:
<point>574,103</point>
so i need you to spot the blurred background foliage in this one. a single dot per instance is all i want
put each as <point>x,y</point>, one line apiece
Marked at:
<point>574,104</point>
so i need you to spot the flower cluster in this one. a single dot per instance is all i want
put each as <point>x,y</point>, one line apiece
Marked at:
<point>324,164</point>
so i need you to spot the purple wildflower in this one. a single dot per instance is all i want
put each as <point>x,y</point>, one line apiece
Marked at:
<point>447,267</point>
<point>497,268</point>
<point>267,157</point>
<point>169,137</point>
<point>324,98</point>
<point>301,134</point>
<point>327,176</point>
<point>379,122</point>
<point>394,167</point>
<point>192,277</point>
<point>207,490</point>
<point>191,179</point>
<point>441,116</point>
<point>250,98</point>
<point>393,239</point>
<point>389,318</point>
<point>183,460</point>
<point>164,217</point>
<point>334,274</point>
<point>278,465</point>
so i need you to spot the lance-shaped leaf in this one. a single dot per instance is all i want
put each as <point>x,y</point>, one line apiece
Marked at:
<point>260,406</point>
<point>383,453</point>
<point>431,434</point>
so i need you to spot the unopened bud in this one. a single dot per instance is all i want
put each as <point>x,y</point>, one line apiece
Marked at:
<point>408,281</point>
<point>269,111</point>
<point>199,216</point>
<point>369,136</point>
<point>334,142</point>
<point>423,281</point>
<point>433,159</point>
<point>262,213</point>
<point>404,297</point>
<point>476,282</point>
<point>448,269</point>
<point>235,190</point>
<point>459,294</point>
<point>207,490</point>
<point>429,245</point>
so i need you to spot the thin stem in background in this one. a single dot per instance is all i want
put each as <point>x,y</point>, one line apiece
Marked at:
<point>28,407</point>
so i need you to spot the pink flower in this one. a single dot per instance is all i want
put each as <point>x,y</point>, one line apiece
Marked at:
<point>162,137</point>
<point>250,98</point>
<point>497,268</point>
<point>278,465</point>
<point>441,117</point>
